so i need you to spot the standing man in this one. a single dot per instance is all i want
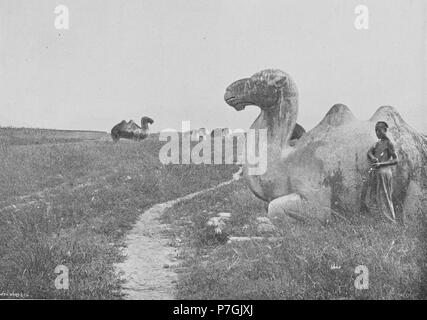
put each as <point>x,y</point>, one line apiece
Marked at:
<point>383,156</point>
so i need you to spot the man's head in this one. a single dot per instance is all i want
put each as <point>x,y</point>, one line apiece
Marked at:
<point>381,129</point>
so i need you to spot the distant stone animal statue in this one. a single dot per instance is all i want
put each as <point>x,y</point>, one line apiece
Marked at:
<point>228,133</point>
<point>130,130</point>
<point>220,132</point>
<point>327,167</point>
<point>198,134</point>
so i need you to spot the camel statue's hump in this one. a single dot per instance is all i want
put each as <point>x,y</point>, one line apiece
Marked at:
<point>339,122</point>
<point>338,115</point>
<point>389,115</point>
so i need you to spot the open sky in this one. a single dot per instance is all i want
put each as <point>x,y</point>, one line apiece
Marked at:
<point>172,60</point>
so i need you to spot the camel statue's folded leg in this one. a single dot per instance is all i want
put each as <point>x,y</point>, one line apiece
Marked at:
<point>295,207</point>
<point>286,207</point>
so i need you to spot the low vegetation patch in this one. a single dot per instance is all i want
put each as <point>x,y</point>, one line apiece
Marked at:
<point>71,204</point>
<point>308,261</point>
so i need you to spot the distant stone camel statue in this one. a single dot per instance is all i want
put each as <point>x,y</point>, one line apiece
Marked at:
<point>199,134</point>
<point>130,130</point>
<point>227,133</point>
<point>327,167</point>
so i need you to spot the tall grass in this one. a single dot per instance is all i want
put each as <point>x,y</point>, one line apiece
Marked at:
<point>73,206</point>
<point>299,264</point>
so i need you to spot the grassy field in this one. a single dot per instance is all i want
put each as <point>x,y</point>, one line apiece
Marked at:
<point>27,136</point>
<point>298,264</point>
<point>72,203</point>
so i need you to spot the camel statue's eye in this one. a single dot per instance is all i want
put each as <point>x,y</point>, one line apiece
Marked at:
<point>281,82</point>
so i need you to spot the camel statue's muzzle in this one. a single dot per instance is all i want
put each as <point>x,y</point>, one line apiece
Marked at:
<point>248,91</point>
<point>235,94</point>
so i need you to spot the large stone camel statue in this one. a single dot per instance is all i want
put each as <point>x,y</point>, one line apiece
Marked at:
<point>325,171</point>
<point>130,130</point>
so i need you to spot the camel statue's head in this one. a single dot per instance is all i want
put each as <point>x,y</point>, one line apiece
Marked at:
<point>145,120</point>
<point>263,89</point>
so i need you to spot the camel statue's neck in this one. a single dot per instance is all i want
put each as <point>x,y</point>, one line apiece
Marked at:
<point>144,126</point>
<point>280,121</point>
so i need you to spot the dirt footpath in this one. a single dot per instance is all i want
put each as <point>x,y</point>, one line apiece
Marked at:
<point>149,267</point>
